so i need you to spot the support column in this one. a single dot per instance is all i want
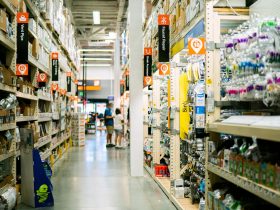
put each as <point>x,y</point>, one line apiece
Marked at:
<point>136,87</point>
<point>117,72</point>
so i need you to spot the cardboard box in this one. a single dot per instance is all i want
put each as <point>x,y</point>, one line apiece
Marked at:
<point>3,20</point>
<point>22,6</point>
<point>35,48</point>
<point>14,2</point>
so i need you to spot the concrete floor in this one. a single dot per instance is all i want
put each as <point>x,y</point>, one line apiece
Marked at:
<point>96,178</point>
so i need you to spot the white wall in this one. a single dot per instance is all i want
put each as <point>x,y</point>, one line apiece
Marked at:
<point>98,73</point>
<point>104,92</point>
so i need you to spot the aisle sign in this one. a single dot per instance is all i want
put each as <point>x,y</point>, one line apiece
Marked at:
<point>42,77</point>
<point>164,69</point>
<point>55,66</point>
<point>22,69</point>
<point>163,34</point>
<point>148,61</point>
<point>69,84</point>
<point>196,46</point>
<point>22,37</point>
<point>148,80</point>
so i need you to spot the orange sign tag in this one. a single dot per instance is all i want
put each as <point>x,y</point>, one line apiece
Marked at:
<point>55,55</point>
<point>22,17</point>
<point>163,20</point>
<point>148,51</point>
<point>196,46</point>
<point>148,81</point>
<point>54,87</point>
<point>69,74</point>
<point>42,77</point>
<point>22,70</point>
<point>164,69</point>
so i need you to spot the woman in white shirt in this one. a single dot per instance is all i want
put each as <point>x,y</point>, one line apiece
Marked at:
<point>118,126</point>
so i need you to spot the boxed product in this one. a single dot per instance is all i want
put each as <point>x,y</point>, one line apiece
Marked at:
<point>3,20</point>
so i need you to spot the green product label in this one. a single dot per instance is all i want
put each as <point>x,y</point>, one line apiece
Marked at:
<point>42,193</point>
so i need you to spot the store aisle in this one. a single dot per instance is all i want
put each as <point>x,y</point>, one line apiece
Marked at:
<point>96,178</point>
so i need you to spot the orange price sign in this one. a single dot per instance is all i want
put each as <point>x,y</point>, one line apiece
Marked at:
<point>164,69</point>
<point>22,70</point>
<point>196,46</point>
<point>148,81</point>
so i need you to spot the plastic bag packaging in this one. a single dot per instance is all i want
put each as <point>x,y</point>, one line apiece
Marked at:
<point>8,199</point>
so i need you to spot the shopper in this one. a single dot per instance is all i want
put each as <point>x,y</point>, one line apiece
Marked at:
<point>118,126</point>
<point>109,123</point>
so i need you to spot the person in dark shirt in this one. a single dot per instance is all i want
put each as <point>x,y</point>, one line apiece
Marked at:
<point>109,123</point>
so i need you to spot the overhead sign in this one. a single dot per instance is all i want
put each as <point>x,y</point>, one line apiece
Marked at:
<point>22,44</point>
<point>163,34</point>
<point>22,70</point>
<point>68,78</point>
<point>164,69</point>
<point>42,77</point>
<point>55,66</point>
<point>22,37</point>
<point>196,46</point>
<point>55,87</point>
<point>148,80</point>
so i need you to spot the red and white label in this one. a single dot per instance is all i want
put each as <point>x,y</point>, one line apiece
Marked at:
<point>163,20</point>
<point>164,69</point>
<point>148,81</point>
<point>55,55</point>
<point>42,77</point>
<point>22,17</point>
<point>148,51</point>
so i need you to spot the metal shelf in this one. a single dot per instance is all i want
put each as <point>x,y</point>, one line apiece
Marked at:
<point>43,141</point>
<point>187,28</point>
<point>6,41</point>
<point>46,155</point>
<point>261,191</point>
<point>55,116</point>
<point>26,118</point>
<point>34,62</point>
<point>26,96</point>
<point>44,97</point>
<point>7,88</point>
<point>6,156</point>
<point>7,126</point>
<point>266,133</point>
<point>8,5</point>
<point>44,117</point>
<point>60,142</point>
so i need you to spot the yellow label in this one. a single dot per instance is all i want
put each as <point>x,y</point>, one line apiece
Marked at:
<point>209,81</point>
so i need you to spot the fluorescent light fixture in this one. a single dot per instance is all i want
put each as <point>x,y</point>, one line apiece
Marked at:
<point>96,50</point>
<point>96,17</point>
<point>96,65</point>
<point>112,35</point>
<point>96,59</point>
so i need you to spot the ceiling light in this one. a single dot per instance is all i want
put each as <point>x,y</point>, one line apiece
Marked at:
<point>96,17</point>
<point>96,59</point>
<point>112,35</point>
<point>95,65</point>
<point>96,50</point>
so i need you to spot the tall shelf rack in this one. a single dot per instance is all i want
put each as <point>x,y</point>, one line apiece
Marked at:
<point>52,133</point>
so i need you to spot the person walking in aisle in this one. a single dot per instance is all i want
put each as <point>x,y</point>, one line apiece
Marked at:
<point>109,123</point>
<point>118,126</point>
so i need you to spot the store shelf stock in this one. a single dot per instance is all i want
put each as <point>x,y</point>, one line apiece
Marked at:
<point>7,126</point>
<point>26,118</point>
<point>6,156</point>
<point>261,191</point>
<point>8,5</point>
<point>7,42</point>
<point>266,133</point>
<point>43,141</point>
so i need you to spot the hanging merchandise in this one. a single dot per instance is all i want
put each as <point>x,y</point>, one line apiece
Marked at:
<point>184,110</point>
<point>55,66</point>
<point>163,37</point>
<point>22,44</point>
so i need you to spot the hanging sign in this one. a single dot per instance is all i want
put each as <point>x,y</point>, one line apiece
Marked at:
<point>148,80</point>
<point>42,77</point>
<point>55,87</point>
<point>62,91</point>
<point>76,81</point>
<point>22,37</point>
<point>196,46</point>
<point>69,84</point>
<point>148,61</point>
<point>163,35</point>
<point>22,69</point>
<point>55,66</point>
<point>127,80</point>
<point>164,69</point>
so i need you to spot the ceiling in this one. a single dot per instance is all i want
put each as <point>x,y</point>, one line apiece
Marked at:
<point>95,38</point>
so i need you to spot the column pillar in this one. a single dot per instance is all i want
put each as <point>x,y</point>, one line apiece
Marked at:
<point>136,87</point>
<point>117,72</point>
